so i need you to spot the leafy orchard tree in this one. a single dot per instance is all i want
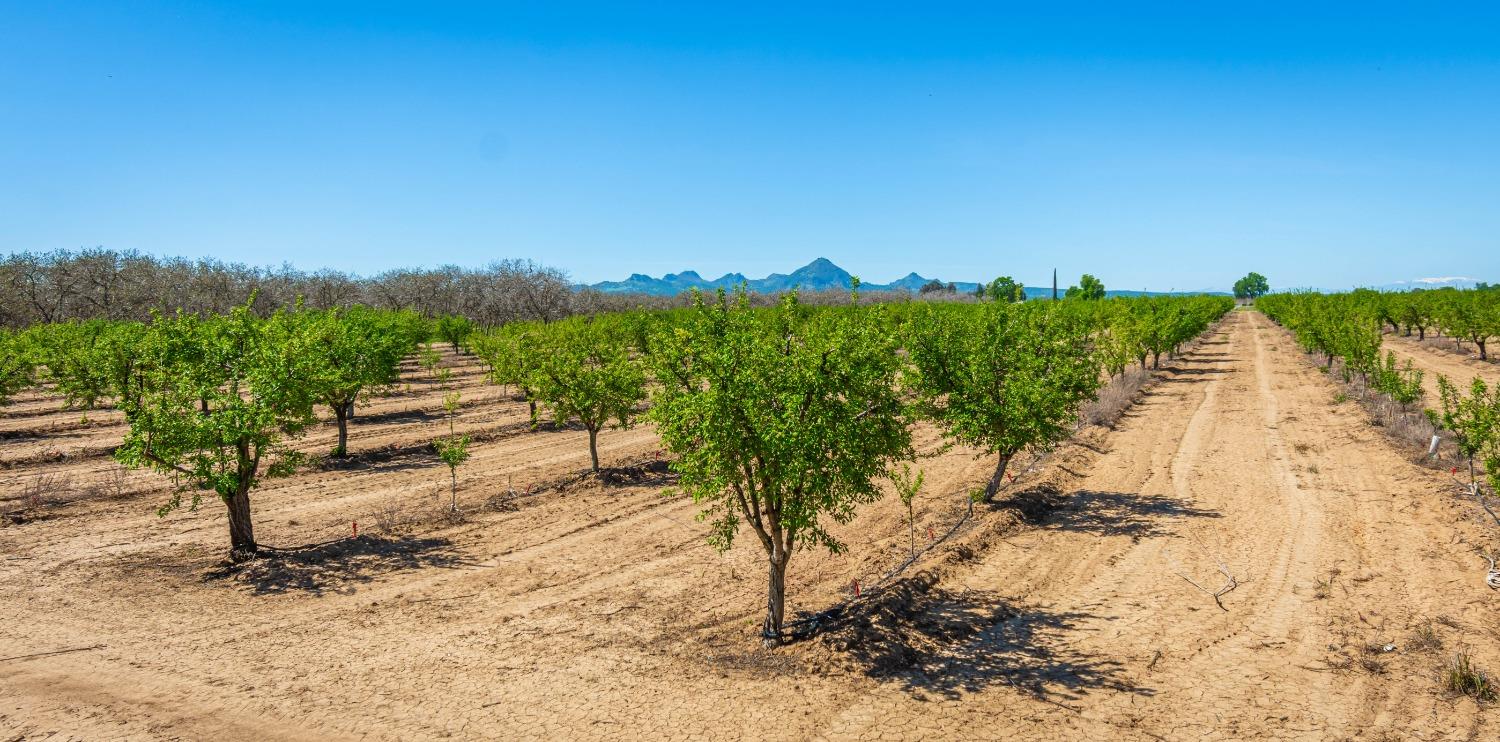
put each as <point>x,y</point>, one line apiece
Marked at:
<point>1005,289</point>
<point>454,329</point>
<point>1088,288</point>
<point>512,355</point>
<point>779,419</point>
<point>220,397</point>
<point>17,369</point>
<point>350,350</point>
<point>585,370</point>
<point>1252,286</point>
<point>453,449</point>
<point>1002,377</point>
<point>1472,418</point>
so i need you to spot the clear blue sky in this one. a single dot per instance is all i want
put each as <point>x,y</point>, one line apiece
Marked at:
<point>1155,146</point>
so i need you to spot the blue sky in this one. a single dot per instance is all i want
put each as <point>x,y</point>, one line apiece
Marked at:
<point>1157,146</point>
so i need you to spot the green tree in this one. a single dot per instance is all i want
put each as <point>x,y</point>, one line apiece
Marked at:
<point>779,419</point>
<point>1472,418</point>
<point>1252,286</point>
<point>585,370</point>
<point>512,355</point>
<point>1005,289</point>
<point>908,486</point>
<point>453,449</point>
<point>1003,378</point>
<point>17,370</point>
<point>350,351</point>
<point>220,397</point>
<point>1088,288</point>
<point>454,329</point>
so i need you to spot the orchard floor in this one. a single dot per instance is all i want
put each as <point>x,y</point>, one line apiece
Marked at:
<point>581,608</point>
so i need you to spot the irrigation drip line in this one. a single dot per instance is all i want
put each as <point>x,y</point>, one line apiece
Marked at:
<point>802,628</point>
<point>49,654</point>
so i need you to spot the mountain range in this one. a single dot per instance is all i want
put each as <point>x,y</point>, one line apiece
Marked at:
<point>819,275</point>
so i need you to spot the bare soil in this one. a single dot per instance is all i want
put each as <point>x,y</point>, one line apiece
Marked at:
<point>569,606</point>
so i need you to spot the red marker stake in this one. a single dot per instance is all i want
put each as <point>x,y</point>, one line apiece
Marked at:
<point>856,588</point>
<point>355,526</point>
<point>929,533</point>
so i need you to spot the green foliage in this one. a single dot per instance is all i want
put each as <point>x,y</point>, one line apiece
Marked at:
<point>512,353</point>
<point>1002,377</point>
<point>429,358</point>
<point>908,486</point>
<point>351,351</point>
<point>1473,419</point>
<point>1403,384</point>
<point>1088,287</point>
<point>1252,286</point>
<point>1004,289</point>
<point>453,449</point>
<point>454,329</point>
<point>779,419</point>
<point>585,369</point>
<point>17,367</point>
<point>219,398</point>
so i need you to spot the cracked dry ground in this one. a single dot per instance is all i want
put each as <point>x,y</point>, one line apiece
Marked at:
<point>588,611</point>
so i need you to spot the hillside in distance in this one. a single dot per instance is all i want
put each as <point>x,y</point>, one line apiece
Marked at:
<point>819,275</point>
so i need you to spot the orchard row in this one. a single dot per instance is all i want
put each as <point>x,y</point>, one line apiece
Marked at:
<point>781,419</point>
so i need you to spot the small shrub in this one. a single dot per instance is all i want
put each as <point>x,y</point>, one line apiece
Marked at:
<point>1461,676</point>
<point>1425,639</point>
<point>1340,398</point>
<point>45,488</point>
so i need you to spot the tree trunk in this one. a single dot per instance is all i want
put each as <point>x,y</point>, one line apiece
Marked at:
<point>997,478</point>
<point>453,489</point>
<point>533,410</point>
<point>1421,332</point>
<point>1156,359</point>
<point>775,595</point>
<point>341,413</point>
<point>1481,343</point>
<point>241,530</point>
<point>594,447</point>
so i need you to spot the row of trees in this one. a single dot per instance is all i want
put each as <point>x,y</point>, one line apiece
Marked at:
<point>112,285</point>
<point>1471,316</point>
<point>1346,328</point>
<point>214,400</point>
<point>783,418</point>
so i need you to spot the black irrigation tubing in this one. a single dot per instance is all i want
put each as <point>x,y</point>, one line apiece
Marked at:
<point>1477,490</point>
<point>305,547</point>
<point>803,628</point>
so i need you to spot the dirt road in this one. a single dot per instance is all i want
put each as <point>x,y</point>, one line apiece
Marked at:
<point>594,611</point>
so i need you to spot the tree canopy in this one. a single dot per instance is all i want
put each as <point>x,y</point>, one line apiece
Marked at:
<point>779,419</point>
<point>1252,286</point>
<point>1088,288</point>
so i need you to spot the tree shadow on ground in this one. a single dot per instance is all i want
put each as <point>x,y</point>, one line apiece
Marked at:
<point>935,642</point>
<point>1121,514</point>
<point>393,416</point>
<point>340,566</point>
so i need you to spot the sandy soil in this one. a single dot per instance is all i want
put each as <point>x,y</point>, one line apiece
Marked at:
<point>586,609</point>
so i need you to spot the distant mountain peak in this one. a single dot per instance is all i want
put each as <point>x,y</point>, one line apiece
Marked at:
<point>821,274</point>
